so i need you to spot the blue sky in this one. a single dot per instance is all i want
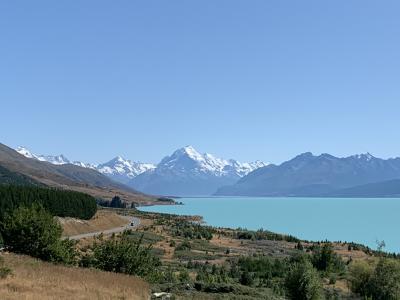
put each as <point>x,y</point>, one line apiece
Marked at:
<point>243,79</point>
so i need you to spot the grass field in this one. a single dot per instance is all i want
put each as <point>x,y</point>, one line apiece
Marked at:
<point>34,279</point>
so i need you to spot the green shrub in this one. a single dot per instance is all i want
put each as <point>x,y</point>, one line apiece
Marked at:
<point>385,282</point>
<point>33,231</point>
<point>185,245</point>
<point>325,259</point>
<point>262,234</point>
<point>123,255</point>
<point>360,274</point>
<point>190,230</point>
<point>380,282</point>
<point>184,276</point>
<point>303,282</point>
<point>4,271</point>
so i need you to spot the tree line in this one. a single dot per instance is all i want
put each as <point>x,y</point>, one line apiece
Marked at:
<point>58,202</point>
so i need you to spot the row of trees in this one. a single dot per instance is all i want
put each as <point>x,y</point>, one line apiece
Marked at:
<point>191,230</point>
<point>57,202</point>
<point>261,234</point>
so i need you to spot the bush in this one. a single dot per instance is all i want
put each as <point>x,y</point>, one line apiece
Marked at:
<point>385,282</point>
<point>184,276</point>
<point>4,271</point>
<point>190,230</point>
<point>262,234</point>
<point>377,282</point>
<point>360,274</point>
<point>303,282</point>
<point>33,231</point>
<point>325,259</point>
<point>185,245</point>
<point>123,255</point>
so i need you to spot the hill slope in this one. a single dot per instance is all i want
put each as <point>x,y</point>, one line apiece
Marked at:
<point>9,177</point>
<point>68,176</point>
<point>309,175</point>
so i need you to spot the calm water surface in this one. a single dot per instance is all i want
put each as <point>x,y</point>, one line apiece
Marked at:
<point>336,219</point>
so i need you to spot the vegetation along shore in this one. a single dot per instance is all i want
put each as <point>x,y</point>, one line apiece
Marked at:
<point>177,256</point>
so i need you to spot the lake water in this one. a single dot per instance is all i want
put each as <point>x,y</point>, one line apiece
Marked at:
<point>337,219</point>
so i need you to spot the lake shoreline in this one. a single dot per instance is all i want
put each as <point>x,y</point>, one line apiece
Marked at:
<point>334,219</point>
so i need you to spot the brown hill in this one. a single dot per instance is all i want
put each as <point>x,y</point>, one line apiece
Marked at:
<point>69,177</point>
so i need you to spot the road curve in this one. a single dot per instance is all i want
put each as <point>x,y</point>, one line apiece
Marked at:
<point>133,222</point>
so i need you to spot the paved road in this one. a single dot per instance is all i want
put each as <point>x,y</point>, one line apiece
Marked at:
<point>132,223</point>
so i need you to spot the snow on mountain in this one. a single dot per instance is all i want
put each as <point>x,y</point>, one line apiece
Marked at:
<point>187,158</point>
<point>118,168</point>
<point>123,169</point>
<point>25,152</point>
<point>56,160</point>
<point>187,172</point>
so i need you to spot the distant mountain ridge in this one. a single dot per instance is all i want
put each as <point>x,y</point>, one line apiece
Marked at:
<point>186,172</point>
<point>123,170</point>
<point>119,169</point>
<point>310,175</point>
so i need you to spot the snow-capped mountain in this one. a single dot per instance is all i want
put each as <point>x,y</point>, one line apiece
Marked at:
<point>119,169</point>
<point>123,170</point>
<point>54,159</point>
<point>187,172</point>
<point>188,159</point>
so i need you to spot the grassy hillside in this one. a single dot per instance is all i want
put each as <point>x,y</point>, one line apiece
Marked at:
<point>34,279</point>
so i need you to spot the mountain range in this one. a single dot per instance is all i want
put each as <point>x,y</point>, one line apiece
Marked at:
<point>185,172</point>
<point>322,175</point>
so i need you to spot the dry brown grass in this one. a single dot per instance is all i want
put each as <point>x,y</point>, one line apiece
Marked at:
<point>103,220</point>
<point>34,279</point>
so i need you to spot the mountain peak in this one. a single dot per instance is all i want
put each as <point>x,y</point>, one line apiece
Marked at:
<point>364,156</point>
<point>25,152</point>
<point>305,155</point>
<point>188,159</point>
<point>118,158</point>
<point>191,152</point>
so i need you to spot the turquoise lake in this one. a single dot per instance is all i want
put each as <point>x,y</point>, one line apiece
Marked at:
<point>337,219</point>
